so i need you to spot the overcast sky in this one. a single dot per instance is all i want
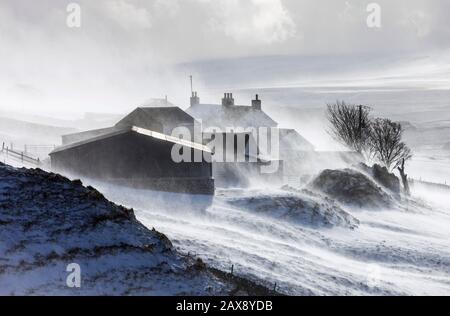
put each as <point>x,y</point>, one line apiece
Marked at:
<point>124,50</point>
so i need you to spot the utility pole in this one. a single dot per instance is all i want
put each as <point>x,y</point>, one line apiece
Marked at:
<point>192,89</point>
<point>360,125</point>
<point>360,120</point>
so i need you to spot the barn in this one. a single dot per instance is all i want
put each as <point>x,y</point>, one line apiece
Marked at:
<point>137,152</point>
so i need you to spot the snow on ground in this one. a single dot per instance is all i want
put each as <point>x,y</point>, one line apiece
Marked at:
<point>267,238</point>
<point>48,222</point>
<point>298,207</point>
<point>432,166</point>
<point>393,251</point>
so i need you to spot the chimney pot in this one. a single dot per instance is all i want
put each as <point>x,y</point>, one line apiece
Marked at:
<point>194,98</point>
<point>228,99</point>
<point>256,104</point>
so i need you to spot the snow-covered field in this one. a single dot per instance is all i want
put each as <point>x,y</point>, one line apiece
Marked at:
<point>431,166</point>
<point>391,252</point>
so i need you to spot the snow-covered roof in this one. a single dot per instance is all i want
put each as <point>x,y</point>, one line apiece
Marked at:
<point>139,130</point>
<point>213,115</point>
<point>149,117</point>
<point>171,139</point>
<point>80,136</point>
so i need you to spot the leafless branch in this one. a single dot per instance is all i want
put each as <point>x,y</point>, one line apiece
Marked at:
<point>385,139</point>
<point>349,124</point>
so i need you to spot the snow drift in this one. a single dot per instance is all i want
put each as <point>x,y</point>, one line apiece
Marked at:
<point>391,252</point>
<point>299,207</point>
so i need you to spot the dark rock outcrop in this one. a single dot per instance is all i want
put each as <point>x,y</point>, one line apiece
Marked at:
<point>352,188</point>
<point>382,176</point>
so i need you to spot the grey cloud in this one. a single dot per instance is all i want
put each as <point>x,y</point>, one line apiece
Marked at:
<point>125,48</point>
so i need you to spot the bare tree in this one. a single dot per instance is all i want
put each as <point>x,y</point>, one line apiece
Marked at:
<point>386,145</point>
<point>349,124</point>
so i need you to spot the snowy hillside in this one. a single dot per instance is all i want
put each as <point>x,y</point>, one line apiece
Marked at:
<point>307,244</point>
<point>48,222</point>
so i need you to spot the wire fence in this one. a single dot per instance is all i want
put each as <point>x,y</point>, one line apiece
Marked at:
<point>23,156</point>
<point>443,185</point>
<point>231,273</point>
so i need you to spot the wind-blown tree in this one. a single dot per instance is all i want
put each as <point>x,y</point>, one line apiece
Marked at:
<point>386,146</point>
<point>350,125</point>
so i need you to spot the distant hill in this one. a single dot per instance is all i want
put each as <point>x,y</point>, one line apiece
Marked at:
<point>13,130</point>
<point>81,121</point>
<point>427,134</point>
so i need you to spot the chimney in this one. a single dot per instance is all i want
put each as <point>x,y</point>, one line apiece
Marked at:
<point>228,99</point>
<point>256,104</point>
<point>195,100</point>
